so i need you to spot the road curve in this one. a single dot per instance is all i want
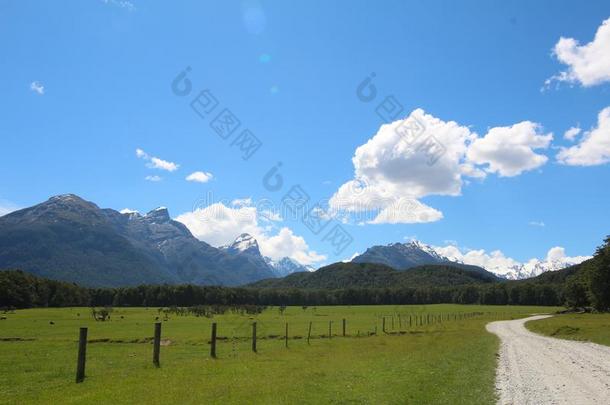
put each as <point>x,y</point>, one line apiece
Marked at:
<point>535,369</point>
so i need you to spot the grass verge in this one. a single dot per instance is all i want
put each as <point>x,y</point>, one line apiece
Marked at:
<point>584,327</point>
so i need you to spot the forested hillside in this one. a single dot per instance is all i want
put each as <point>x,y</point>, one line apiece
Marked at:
<point>371,275</point>
<point>345,283</point>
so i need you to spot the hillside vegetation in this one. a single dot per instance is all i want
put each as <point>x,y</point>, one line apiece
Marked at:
<point>371,275</point>
<point>340,284</point>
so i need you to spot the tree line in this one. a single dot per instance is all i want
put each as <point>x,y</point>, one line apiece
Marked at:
<point>22,290</point>
<point>587,284</point>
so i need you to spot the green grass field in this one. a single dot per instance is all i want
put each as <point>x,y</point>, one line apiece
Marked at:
<point>452,362</point>
<point>584,327</point>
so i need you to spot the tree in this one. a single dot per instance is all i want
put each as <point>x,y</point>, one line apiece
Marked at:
<point>599,277</point>
<point>575,293</point>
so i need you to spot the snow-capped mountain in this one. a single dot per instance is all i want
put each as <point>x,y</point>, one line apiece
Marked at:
<point>246,244</point>
<point>402,256</point>
<point>507,267</point>
<point>286,266</point>
<point>535,267</point>
<point>70,239</point>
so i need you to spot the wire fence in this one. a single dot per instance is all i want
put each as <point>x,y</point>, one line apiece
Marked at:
<point>231,336</point>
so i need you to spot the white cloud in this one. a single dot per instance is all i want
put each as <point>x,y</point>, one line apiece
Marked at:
<point>154,178</point>
<point>497,262</point>
<point>407,211</point>
<point>509,151</point>
<point>556,253</point>
<point>241,202</point>
<point>352,257</point>
<point>199,177</point>
<point>392,168</point>
<point>155,162</point>
<point>537,223</point>
<point>594,146</point>
<point>287,244</point>
<point>37,87</point>
<point>6,207</point>
<point>398,167</point>
<point>587,64</point>
<point>126,4</point>
<point>128,211</point>
<point>218,225</point>
<point>572,133</point>
<point>270,215</point>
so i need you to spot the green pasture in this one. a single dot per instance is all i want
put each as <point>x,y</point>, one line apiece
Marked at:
<point>450,360</point>
<point>584,327</point>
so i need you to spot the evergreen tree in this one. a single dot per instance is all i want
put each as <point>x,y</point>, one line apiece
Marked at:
<point>599,277</point>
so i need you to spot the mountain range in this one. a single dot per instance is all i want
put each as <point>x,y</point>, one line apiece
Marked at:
<point>245,244</point>
<point>403,256</point>
<point>67,238</point>
<point>70,239</point>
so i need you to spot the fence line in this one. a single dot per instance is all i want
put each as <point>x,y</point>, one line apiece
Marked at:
<point>417,319</point>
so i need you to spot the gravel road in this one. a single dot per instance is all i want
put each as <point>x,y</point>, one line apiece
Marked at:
<point>535,369</point>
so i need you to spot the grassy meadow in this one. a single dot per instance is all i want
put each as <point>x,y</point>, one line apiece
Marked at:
<point>448,362</point>
<point>584,327</point>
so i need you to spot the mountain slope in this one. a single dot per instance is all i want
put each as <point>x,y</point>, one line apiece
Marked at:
<point>558,276</point>
<point>372,275</point>
<point>67,238</point>
<point>286,266</point>
<point>245,245</point>
<point>405,256</point>
<point>536,267</point>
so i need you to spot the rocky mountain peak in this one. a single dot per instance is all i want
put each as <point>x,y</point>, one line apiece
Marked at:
<point>59,208</point>
<point>158,215</point>
<point>286,266</point>
<point>244,243</point>
<point>68,238</point>
<point>69,200</point>
<point>401,256</point>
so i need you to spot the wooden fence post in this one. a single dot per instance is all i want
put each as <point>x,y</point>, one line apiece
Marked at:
<point>213,342</point>
<point>383,324</point>
<point>399,322</point>
<point>309,332</point>
<point>157,344</point>
<point>286,336</point>
<point>82,355</point>
<point>254,337</point>
<point>392,322</point>
<point>343,327</point>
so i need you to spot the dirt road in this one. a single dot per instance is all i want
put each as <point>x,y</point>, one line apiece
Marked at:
<point>534,369</point>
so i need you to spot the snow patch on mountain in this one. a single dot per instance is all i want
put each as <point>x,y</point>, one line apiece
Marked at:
<point>286,266</point>
<point>415,244</point>
<point>244,243</point>
<point>507,267</point>
<point>248,245</point>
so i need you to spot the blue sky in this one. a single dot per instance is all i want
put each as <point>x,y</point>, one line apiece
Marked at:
<point>87,83</point>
